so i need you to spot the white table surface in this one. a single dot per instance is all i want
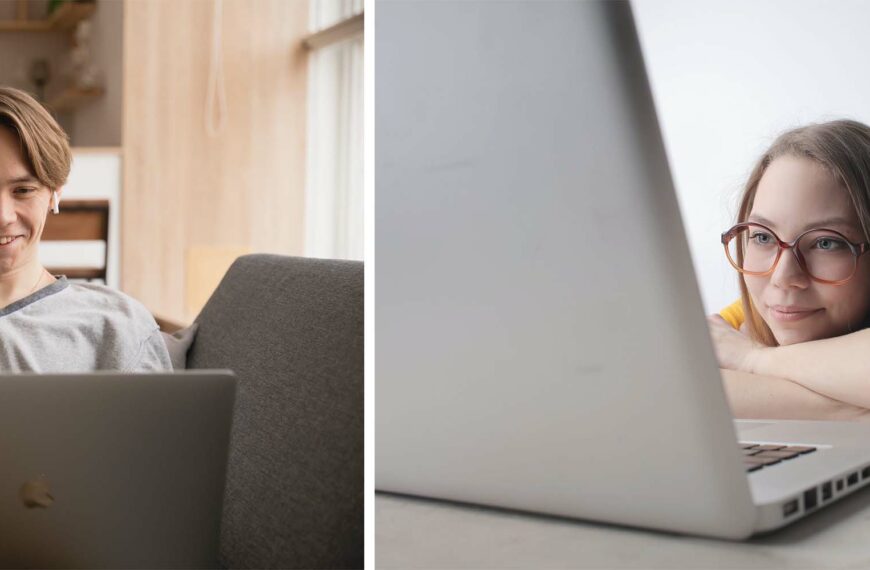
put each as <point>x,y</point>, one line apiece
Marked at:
<point>422,533</point>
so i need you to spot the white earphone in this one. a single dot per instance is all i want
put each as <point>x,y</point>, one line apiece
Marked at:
<point>56,208</point>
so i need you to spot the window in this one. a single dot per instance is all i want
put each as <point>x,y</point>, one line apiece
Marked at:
<point>334,186</point>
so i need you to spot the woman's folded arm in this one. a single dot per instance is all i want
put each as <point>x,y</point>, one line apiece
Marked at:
<point>837,367</point>
<point>754,396</point>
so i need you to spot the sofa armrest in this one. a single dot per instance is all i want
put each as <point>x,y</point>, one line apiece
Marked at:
<point>292,331</point>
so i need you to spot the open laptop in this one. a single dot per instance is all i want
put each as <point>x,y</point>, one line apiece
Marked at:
<point>113,470</point>
<point>541,341</point>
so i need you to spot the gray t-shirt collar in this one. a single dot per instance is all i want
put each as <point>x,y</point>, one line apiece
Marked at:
<point>56,287</point>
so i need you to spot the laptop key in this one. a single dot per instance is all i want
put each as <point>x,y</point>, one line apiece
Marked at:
<point>757,456</point>
<point>799,449</point>
<point>769,447</point>
<point>778,454</point>
<point>755,460</point>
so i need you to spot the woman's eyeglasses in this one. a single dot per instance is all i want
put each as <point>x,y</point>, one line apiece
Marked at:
<point>825,255</point>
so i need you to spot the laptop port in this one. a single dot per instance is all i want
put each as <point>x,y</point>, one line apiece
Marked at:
<point>790,508</point>
<point>852,479</point>
<point>810,499</point>
<point>827,492</point>
<point>865,473</point>
<point>840,485</point>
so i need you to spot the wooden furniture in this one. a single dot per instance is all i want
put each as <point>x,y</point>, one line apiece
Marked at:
<point>183,189</point>
<point>63,19</point>
<point>168,325</point>
<point>80,220</point>
<point>72,98</point>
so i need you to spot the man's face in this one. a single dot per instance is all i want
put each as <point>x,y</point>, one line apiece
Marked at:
<point>796,194</point>
<point>24,204</point>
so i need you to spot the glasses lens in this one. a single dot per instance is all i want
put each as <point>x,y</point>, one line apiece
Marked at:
<point>827,255</point>
<point>753,249</point>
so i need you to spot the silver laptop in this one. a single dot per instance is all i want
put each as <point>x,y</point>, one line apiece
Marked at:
<point>541,341</point>
<point>109,470</point>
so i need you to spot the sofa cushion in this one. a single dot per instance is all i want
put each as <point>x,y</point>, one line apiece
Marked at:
<point>292,330</point>
<point>178,344</point>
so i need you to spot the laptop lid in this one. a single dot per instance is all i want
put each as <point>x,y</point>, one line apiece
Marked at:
<point>541,342</point>
<point>111,470</point>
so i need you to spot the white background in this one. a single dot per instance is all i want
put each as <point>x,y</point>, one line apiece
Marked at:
<point>727,78</point>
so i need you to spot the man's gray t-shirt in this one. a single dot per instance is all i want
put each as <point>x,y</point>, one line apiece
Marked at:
<point>80,327</point>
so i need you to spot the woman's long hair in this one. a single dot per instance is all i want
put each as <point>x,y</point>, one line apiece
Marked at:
<point>843,147</point>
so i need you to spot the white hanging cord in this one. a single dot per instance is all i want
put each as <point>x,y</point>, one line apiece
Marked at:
<point>216,77</point>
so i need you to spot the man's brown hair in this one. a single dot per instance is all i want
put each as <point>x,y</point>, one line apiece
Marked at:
<point>44,145</point>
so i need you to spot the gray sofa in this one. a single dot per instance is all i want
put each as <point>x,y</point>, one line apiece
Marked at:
<point>292,330</point>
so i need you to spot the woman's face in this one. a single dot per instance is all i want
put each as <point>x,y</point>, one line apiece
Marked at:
<point>24,204</point>
<point>796,194</point>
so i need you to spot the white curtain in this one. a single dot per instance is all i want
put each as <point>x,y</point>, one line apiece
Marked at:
<point>334,190</point>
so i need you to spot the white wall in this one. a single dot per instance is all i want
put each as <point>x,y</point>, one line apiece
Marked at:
<point>727,77</point>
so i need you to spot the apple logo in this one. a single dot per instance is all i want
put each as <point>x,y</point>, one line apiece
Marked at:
<point>35,494</point>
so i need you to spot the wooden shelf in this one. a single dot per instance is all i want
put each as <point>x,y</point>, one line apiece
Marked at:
<point>63,19</point>
<point>79,272</point>
<point>68,15</point>
<point>72,98</point>
<point>79,220</point>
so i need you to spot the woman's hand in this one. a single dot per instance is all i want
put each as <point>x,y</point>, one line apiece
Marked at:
<point>734,349</point>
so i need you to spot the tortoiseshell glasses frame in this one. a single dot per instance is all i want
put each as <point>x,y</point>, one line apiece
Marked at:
<point>857,249</point>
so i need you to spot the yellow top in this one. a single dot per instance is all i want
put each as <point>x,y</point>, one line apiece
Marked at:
<point>733,313</point>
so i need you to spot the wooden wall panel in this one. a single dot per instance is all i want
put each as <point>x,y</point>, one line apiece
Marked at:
<point>185,191</point>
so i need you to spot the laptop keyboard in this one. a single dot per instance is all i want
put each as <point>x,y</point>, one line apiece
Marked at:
<point>757,456</point>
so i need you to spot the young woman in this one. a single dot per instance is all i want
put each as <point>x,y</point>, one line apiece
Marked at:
<point>48,324</point>
<point>797,343</point>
